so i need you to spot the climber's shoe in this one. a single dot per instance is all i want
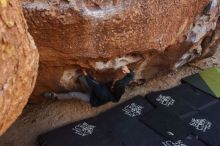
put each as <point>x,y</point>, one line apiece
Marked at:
<point>50,95</point>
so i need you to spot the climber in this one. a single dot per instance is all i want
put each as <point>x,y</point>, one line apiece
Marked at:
<point>96,93</point>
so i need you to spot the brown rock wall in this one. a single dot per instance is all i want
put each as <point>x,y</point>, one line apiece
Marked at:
<point>149,36</point>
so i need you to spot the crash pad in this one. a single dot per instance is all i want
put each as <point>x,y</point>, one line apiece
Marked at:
<point>208,81</point>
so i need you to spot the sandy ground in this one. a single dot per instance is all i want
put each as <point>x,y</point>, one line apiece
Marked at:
<point>39,118</point>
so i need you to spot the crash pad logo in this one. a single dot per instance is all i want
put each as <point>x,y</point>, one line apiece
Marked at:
<point>170,143</point>
<point>165,100</point>
<point>83,129</point>
<point>133,110</point>
<point>201,124</point>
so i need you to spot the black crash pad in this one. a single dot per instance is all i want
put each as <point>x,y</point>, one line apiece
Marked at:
<point>118,126</point>
<point>188,141</point>
<point>123,122</point>
<point>206,124</point>
<point>82,133</point>
<point>183,99</point>
<point>207,81</point>
<point>167,124</point>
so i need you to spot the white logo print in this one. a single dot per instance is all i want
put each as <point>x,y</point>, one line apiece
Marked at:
<point>83,129</point>
<point>201,124</point>
<point>170,143</point>
<point>165,100</point>
<point>133,110</point>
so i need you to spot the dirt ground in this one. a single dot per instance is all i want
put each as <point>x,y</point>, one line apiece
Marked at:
<point>39,118</point>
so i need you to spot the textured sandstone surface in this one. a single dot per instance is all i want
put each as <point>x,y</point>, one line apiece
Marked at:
<point>42,117</point>
<point>18,63</point>
<point>102,35</point>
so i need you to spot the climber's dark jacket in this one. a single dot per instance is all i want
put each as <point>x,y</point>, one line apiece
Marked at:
<point>101,93</point>
<point>120,85</point>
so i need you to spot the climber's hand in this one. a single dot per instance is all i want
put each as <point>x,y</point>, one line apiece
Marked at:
<point>84,72</point>
<point>125,70</point>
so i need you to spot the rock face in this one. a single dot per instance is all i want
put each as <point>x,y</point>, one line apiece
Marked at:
<point>102,35</point>
<point>18,63</point>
